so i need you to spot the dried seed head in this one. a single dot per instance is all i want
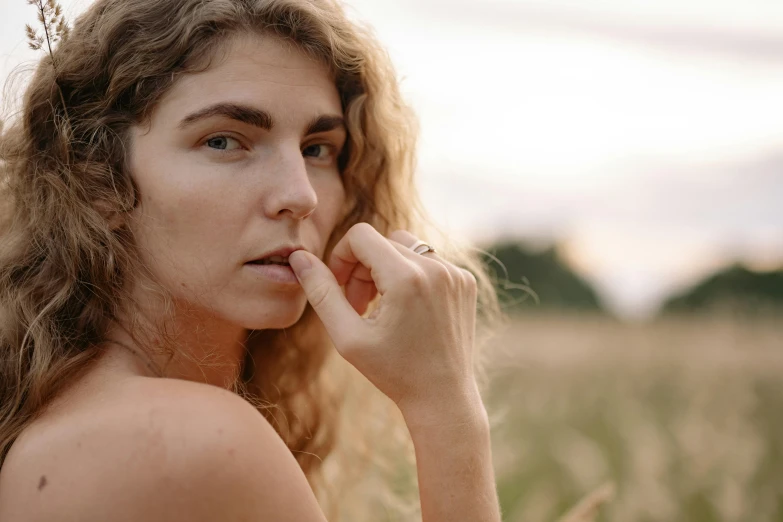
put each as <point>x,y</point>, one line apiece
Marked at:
<point>50,15</point>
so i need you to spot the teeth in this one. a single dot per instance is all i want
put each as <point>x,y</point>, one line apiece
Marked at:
<point>273,260</point>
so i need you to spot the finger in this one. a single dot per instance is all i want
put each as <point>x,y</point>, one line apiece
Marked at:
<point>407,240</point>
<point>363,245</point>
<point>402,239</point>
<point>325,295</point>
<point>362,273</point>
<point>431,264</point>
<point>359,293</point>
<point>360,288</point>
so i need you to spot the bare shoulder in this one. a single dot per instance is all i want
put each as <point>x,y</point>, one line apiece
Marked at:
<point>157,450</point>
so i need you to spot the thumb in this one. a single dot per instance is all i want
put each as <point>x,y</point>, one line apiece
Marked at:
<point>324,294</point>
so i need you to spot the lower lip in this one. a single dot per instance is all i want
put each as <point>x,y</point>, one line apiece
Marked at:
<point>278,273</point>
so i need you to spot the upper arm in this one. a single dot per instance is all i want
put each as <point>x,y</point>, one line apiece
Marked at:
<point>204,456</point>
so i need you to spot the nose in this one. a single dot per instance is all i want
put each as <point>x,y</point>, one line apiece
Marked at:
<point>291,192</point>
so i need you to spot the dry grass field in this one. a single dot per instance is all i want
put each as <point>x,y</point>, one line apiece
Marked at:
<point>678,420</point>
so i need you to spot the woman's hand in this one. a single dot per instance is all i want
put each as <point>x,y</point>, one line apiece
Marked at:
<point>417,347</point>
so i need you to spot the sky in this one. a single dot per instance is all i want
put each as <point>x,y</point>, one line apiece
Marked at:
<point>645,137</point>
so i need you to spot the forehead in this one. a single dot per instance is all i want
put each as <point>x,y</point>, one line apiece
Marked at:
<point>261,70</point>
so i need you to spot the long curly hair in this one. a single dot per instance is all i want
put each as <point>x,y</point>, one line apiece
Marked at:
<point>66,264</point>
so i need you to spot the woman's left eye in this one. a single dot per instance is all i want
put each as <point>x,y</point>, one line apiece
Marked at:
<point>321,151</point>
<point>223,143</point>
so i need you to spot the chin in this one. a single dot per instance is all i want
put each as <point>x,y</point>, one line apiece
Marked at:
<point>276,316</point>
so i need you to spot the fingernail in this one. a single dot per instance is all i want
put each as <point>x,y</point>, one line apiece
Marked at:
<point>300,263</point>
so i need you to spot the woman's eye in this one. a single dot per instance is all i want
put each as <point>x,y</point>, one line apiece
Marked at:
<point>320,151</point>
<point>223,143</point>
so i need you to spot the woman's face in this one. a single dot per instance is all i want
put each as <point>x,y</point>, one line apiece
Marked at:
<point>237,162</point>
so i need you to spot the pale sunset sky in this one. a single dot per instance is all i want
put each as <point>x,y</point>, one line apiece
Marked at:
<point>645,136</point>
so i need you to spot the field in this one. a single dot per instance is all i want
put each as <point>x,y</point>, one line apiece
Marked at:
<point>677,420</point>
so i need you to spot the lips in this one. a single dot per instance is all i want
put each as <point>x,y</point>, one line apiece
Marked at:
<point>276,260</point>
<point>276,257</point>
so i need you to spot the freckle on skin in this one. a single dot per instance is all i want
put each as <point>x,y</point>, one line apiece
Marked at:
<point>42,483</point>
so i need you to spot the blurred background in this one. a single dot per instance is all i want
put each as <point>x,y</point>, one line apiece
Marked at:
<point>624,159</point>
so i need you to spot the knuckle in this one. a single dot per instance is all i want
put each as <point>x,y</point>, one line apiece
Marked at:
<point>442,274</point>
<point>415,279</point>
<point>361,229</point>
<point>469,278</point>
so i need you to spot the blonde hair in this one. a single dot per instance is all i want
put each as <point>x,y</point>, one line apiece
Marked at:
<point>65,273</point>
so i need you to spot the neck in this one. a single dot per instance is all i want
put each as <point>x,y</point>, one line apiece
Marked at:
<point>200,347</point>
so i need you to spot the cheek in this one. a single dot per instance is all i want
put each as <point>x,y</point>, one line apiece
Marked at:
<point>331,202</point>
<point>178,227</point>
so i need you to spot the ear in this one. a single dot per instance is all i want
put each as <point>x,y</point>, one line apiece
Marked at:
<point>114,219</point>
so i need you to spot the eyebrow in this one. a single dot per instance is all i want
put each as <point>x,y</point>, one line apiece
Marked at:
<point>233,111</point>
<point>325,123</point>
<point>258,118</point>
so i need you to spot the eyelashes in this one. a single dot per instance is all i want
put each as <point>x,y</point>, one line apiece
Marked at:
<point>330,151</point>
<point>324,153</point>
<point>221,143</point>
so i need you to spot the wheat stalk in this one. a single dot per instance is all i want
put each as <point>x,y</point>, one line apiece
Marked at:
<point>587,509</point>
<point>50,15</point>
<point>55,30</point>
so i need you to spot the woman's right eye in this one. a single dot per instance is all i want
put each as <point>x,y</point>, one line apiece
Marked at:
<point>223,143</point>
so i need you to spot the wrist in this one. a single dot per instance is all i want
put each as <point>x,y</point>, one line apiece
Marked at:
<point>459,409</point>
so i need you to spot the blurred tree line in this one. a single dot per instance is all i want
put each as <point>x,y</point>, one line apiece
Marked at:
<point>736,289</point>
<point>529,278</point>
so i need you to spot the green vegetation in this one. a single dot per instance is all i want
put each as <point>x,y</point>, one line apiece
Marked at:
<point>531,279</point>
<point>736,288</point>
<point>554,285</point>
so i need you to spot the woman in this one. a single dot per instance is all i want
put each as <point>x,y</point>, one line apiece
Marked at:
<point>201,198</point>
